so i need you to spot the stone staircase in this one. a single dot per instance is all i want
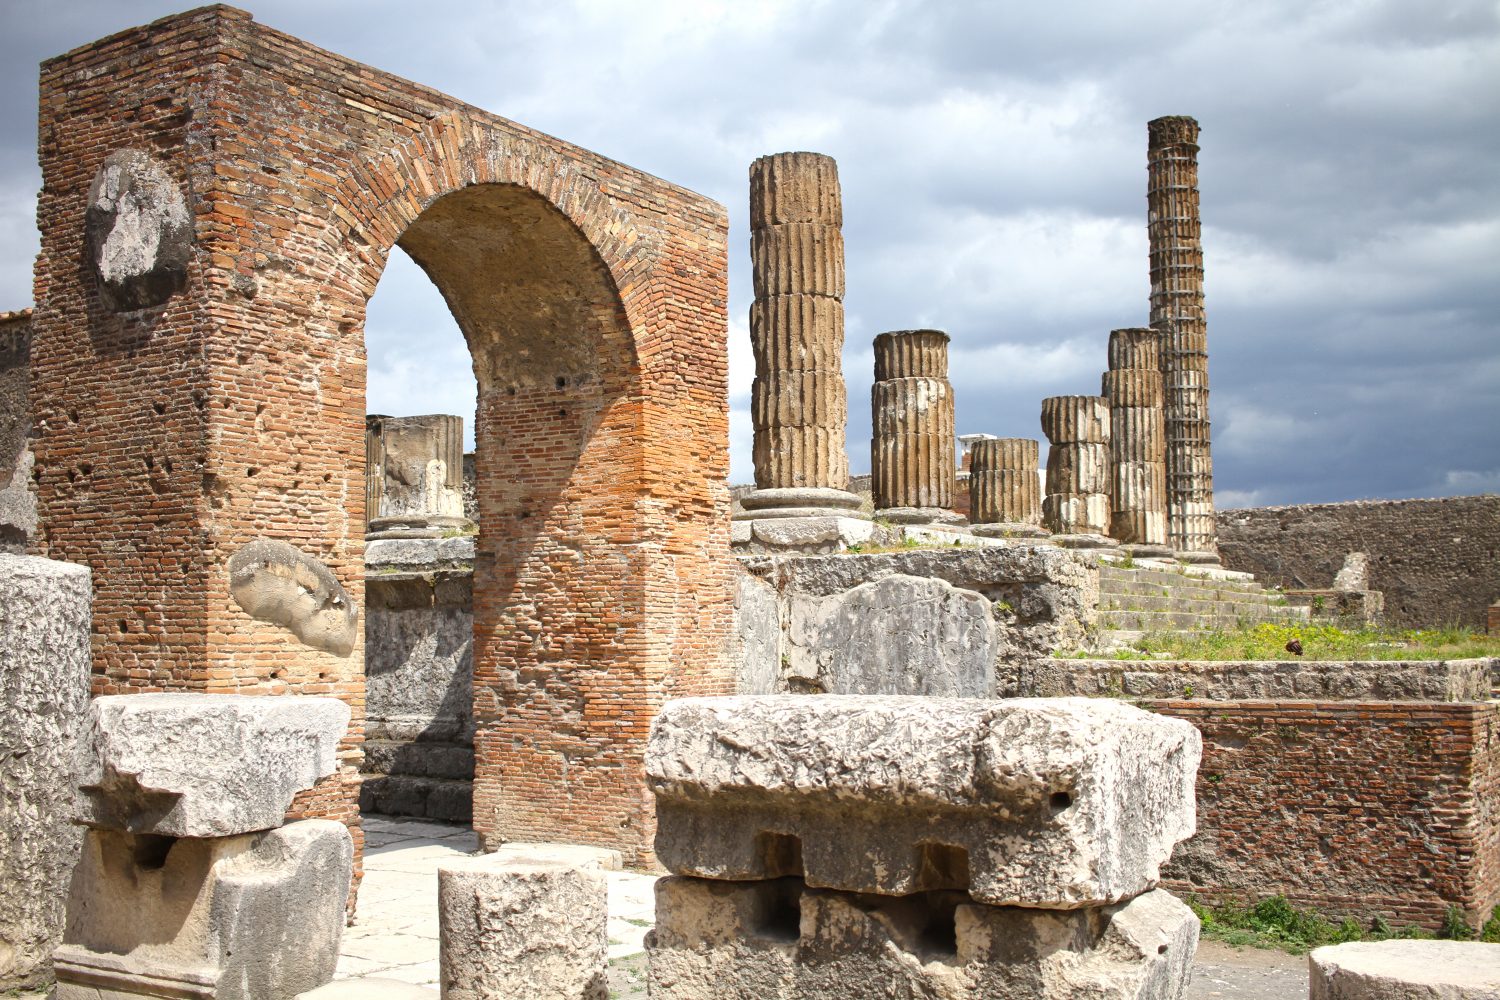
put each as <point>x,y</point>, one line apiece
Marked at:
<point>1161,597</point>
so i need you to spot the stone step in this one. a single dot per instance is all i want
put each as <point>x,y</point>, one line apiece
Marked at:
<point>1173,621</point>
<point>1190,590</point>
<point>1187,605</point>
<point>1180,575</point>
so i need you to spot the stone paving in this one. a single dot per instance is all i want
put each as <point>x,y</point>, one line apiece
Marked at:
<point>395,933</point>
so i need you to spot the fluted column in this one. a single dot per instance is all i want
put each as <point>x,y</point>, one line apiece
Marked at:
<point>414,479</point>
<point>912,443</point>
<point>1005,490</point>
<point>798,403</point>
<point>1137,443</point>
<point>1177,311</point>
<point>1076,507</point>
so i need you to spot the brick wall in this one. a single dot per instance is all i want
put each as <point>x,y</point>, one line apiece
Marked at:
<point>593,299</point>
<point>1436,561</point>
<point>1350,808</point>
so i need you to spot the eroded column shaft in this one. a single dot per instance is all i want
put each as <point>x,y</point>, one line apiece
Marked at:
<point>1077,499</point>
<point>1177,311</point>
<point>799,406</point>
<point>414,481</point>
<point>1137,438</point>
<point>1004,485</point>
<point>913,442</point>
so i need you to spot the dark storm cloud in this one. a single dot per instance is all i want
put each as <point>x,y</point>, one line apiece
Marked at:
<point>993,163</point>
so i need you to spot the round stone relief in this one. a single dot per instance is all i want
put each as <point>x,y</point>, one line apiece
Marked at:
<point>140,231</point>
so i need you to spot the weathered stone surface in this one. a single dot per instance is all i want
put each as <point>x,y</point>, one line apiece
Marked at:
<point>1004,485</point>
<point>756,940</point>
<point>278,583</point>
<point>1251,680</point>
<point>798,258</point>
<point>44,704</point>
<point>419,554</point>
<point>1405,970</point>
<point>818,531</point>
<point>787,188</point>
<point>1041,598</point>
<point>1075,419</point>
<point>757,629</point>
<point>414,475</point>
<point>1137,443</point>
<point>900,635</point>
<point>1077,502</point>
<point>529,931</point>
<point>1053,803</point>
<point>140,231</point>
<point>17,503</point>
<point>250,917</point>
<point>368,988</point>
<point>198,765</point>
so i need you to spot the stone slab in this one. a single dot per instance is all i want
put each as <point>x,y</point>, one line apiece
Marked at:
<point>45,616</point>
<point>521,929</point>
<point>250,917</point>
<point>370,988</point>
<point>755,940</point>
<point>1405,970</point>
<point>198,765</point>
<point>418,554</point>
<point>1253,680</point>
<point>1033,802</point>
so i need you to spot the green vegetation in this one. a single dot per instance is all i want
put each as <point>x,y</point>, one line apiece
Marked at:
<point>1267,641</point>
<point>1275,923</point>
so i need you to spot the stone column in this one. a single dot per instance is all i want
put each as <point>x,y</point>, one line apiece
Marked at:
<point>415,476</point>
<point>1076,507</point>
<point>1137,443</point>
<point>1177,311</point>
<point>912,442</point>
<point>1005,490</point>
<point>798,405</point>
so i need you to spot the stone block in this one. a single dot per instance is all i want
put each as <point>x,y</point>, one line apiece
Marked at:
<point>251,917</point>
<point>523,929</point>
<point>278,583</point>
<point>900,635</point>
<point>1054,803</point>
<point>1404,970</point>
<point>755,940</point>
<point>140,231</point>
<point>370,989</point>
<point>198,765</point>
<point>44,704</point>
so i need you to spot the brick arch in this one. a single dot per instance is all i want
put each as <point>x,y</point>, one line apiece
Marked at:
<point>235,411</point>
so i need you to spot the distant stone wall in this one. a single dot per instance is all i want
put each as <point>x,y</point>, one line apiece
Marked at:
<point>17,505</point>
<point>1436,561</point>
<point>939,622</point>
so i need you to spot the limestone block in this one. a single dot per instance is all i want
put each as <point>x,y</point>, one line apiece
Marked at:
<point>249,917</point>
<point>795,187</point>
<point>901,635</point>
<point>799,258</point>
<point>1052,803</point>
<point>1075,419</point>
<point>276,582</point>
<point>201,765</point>
<point>798,399</point>
<point>1404,970</point>
<point>44,705</point>
<point>370,989</point>
<point>140,231</point>
<point>523,930</point>
<point>797,333</point>
<point>756,654</point>
<point>755,940</point>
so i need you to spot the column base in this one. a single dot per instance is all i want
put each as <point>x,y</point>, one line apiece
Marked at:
<point>419,526</point>
<point>1084,540</point>
<point>798,502</point>
<point>815,534</point>
<point>921,515</point>
<point>1140,550</point>
<point>1018,530</point>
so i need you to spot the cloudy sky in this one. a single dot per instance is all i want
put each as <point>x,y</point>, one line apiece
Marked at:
<point>993,163</point>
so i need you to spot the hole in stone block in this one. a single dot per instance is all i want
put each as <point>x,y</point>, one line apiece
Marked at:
<point>941,933</point>
<point>777,911</point>
<point>780,853</point>
<point>1161,949</point>
<point>1061,801</point>
<point>942,866</point>
<point>151,850</point>
<point>924,923</point>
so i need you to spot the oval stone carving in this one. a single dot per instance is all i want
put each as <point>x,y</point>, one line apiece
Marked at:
<point>140,232</point>
<point>278,583</point>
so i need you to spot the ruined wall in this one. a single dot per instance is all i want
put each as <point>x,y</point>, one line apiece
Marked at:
<point>17,505</point>
<point>1350,808</point>
<point>1354,789</point>
<point>942,622</point>
<point>1436,561</point>
<point>419,665</point>
<point>220,398</point>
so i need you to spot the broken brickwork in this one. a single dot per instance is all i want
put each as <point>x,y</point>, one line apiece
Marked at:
<point>209,391</point>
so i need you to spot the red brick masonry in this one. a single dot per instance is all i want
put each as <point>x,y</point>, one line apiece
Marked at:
<point>593,298</point>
